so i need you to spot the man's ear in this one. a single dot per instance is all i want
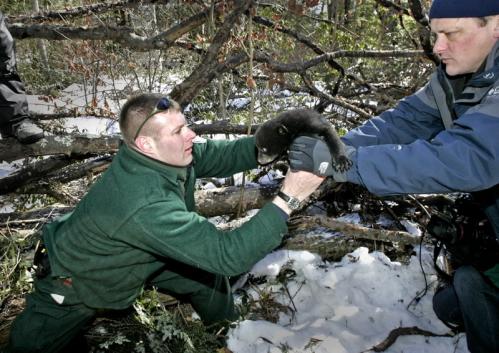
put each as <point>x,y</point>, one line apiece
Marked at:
<point>145,144</point>
<point>282,130</point>
<point>496,26</point>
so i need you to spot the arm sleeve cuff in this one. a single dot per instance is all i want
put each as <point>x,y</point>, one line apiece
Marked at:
<point>283,214</point>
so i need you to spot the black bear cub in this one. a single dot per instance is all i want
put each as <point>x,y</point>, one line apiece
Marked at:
<point>274,136</point>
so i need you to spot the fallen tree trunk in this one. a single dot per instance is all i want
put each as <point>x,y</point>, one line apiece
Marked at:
<point>333,248</point>
<point>302,223</point>
<point>33,171</point>
<point>209,203</point>
<point>226,200</point>
<point>41,215</point>
<point>57,169</point>
<point>332,239</point>
<point>11,149</point>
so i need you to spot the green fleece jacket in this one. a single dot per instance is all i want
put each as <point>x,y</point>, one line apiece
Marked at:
<point>142,211</point>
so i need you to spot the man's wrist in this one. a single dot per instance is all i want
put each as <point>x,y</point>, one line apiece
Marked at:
<point>282,205</point>
<point>291,201</point>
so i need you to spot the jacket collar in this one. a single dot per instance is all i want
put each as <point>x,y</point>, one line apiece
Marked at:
<point>476,87</point>
<point>490,73</point>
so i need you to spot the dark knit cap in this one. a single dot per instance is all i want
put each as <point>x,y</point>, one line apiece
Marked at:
<point>463,8</point>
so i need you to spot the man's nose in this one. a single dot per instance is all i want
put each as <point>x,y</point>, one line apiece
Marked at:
<point>440,45</point>
<point>190,133</point>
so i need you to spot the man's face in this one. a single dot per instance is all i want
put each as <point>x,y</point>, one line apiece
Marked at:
<point>463,43</point>
<point>172,143</point>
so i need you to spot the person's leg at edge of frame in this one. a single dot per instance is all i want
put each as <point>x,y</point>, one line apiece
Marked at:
<point>45,326</point>
<point>446,307</point>
<point>14,115</point>
<point>479,303</point>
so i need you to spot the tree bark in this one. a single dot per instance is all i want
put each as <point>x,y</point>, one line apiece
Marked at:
<point>42,48</point>
<point>223,201</point>
<point>424,31</point>
<point>206,70</point>
<point>124,35</point>
<point>353,230</point>
<point>305,65</point>
<point>56,169</point>
<point>11,149</point>
<point>32,172</point>
<point>86,10</point>
<point>405,331</point>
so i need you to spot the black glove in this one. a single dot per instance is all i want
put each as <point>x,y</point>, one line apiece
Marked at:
<point>312,154</point>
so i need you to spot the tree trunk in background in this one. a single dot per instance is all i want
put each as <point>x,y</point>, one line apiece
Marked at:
<point>40,43</point>
<point>332,15</point>
<point>349,11</point>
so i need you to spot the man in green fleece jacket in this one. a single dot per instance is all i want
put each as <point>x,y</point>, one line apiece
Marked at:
<point>137,226</point>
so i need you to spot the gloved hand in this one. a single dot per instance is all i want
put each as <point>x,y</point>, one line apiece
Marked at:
<point>312,154</point>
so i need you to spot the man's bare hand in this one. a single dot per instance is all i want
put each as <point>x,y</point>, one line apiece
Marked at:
<point>298,184</point>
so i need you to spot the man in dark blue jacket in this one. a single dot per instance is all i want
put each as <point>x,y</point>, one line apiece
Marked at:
<point>442,139</point>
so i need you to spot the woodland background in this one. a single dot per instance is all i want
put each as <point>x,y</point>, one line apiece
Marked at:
<point>231,65</point>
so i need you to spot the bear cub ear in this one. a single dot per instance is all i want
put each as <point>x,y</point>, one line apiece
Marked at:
<point>282,130</point>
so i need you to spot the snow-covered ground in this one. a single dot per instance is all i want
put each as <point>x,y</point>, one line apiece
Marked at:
<point>344,307</point>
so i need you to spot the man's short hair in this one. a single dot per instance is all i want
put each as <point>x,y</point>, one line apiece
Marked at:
<point>136,110</point>
<point>482,21</point>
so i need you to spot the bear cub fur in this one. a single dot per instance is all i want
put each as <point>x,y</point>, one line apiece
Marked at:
<point>274,137</point>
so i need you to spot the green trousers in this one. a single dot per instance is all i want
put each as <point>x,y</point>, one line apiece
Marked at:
<point>45,325</point>
<point>48,326</point>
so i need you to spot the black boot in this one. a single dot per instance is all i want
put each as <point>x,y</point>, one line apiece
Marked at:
<point>25,131</point>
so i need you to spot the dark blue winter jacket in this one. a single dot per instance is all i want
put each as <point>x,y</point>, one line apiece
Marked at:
<point>442,139</point>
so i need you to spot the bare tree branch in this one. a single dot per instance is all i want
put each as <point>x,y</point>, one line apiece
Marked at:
<point>124,35</point>
<point>298,67</point>
<point>424,31</point>
<point>207,69</point>
<point>70,113</point>
<point>418,13</point>
<point>338,101</point>
<point>404,331</point>
<point>305,65</point>
<point>86,10</point>
<point>300,38</point>
<point>391,4</point>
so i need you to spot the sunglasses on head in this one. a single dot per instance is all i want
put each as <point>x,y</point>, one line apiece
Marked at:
<point>163,105</point>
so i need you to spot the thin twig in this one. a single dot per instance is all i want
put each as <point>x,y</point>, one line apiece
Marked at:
<point>404,331</point>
